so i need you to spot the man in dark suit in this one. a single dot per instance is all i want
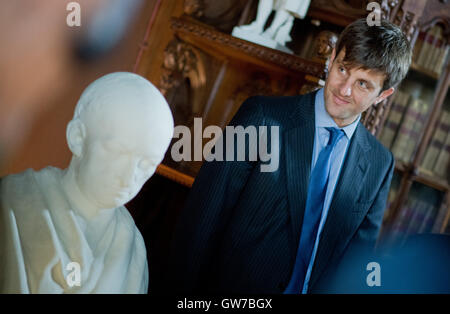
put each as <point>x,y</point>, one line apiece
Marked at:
<point>248,231</point>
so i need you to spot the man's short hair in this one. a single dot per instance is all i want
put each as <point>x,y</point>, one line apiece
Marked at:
<point>383,48</point>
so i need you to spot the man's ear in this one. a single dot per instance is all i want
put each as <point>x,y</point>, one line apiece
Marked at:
<point>75,134</point>
<point>385,94</point>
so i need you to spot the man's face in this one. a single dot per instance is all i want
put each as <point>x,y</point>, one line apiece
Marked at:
<point>348,92</point>
<point>118,158</point>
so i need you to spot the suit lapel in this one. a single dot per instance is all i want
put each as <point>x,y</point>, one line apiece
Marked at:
<point>299,142</point>
<point>343,217</point>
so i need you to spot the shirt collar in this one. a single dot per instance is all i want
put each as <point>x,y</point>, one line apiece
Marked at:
<point>323,119</point>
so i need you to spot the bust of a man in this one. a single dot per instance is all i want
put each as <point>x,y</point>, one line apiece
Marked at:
<point>53,218</point>
<point>324,44</point>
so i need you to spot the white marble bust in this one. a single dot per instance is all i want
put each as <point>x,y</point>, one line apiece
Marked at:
<point>120,132</point>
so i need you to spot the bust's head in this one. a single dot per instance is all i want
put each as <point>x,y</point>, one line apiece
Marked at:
<point>325,43</point>
<point>119,134</point>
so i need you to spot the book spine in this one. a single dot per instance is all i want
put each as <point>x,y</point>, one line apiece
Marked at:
<point>418,46</point>
<point>403,138</point>
<point>436,42</point>
<point>427,224</point>
<point>441,166</point>
<point>395,185</point>
<point>393,120</point>
<point>440,217</point>
<point>417,218</point>
<point>437,141</point>
<point>416,131</point>
<point>401,224</point>
<point>442,58</point>
<point>425,50</point>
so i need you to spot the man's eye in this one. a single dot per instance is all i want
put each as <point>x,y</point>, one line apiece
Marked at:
<point>362,84</point>
<point>341,69</point>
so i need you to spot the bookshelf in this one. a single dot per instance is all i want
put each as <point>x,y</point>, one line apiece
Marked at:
<point>416,128</point>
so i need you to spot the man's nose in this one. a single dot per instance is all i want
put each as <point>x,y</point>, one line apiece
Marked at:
<point>346,88</point>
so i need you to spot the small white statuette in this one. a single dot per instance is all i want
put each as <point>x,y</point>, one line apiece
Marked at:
<point>278,33</point>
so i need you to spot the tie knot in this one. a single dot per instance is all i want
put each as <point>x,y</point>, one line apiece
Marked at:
<point>335,135</point>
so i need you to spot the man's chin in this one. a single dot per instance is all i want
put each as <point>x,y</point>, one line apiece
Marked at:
<point>332,109</point>
<point>336,114</point>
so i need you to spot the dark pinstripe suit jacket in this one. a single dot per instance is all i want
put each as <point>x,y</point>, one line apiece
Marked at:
<point>240,228</point>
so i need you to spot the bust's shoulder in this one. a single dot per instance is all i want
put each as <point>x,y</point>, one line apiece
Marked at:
<point>18,185</point>
<point>125,218</point>
<point>127,221</point>
<point>24,189</point>
<point>29,177</point>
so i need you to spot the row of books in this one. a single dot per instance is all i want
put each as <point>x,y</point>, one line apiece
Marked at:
<point>403,129</point>
<point>392,196</point>
<point>421,213</point>
<point>437,155</point>
<point>447,229</point>
<point>441,223</point>
<point>405,122</point>
<point>430,51</point>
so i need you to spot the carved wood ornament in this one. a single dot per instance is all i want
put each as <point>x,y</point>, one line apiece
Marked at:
<point>181,60</point>
<point>194,8</point>
<point>184,26</point>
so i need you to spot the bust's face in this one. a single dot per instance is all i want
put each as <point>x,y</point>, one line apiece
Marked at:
<point>120,154</point>
<point>323,47</point>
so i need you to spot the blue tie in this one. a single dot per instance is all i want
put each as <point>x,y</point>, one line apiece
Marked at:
<point>313,211</point>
